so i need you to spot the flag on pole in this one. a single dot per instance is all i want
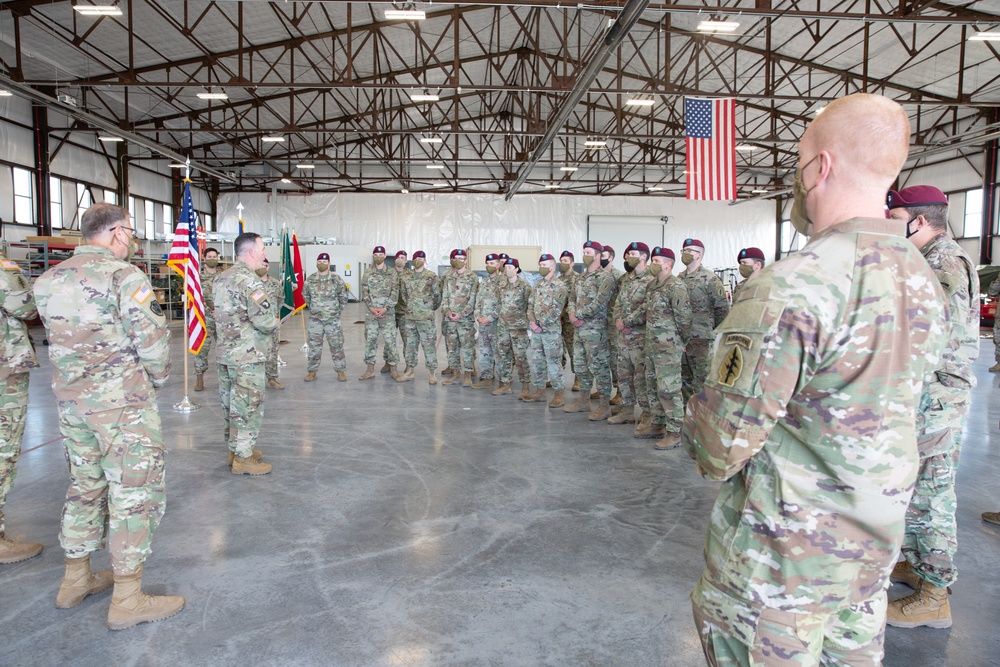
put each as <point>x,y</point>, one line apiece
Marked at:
<point>291,286</point>
<point>710,128</point>
<point>183,259</point>
<point>241,225</point>
<point>300,279</point>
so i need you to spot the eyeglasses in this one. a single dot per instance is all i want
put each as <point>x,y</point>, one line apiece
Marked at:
<point>129,229</point>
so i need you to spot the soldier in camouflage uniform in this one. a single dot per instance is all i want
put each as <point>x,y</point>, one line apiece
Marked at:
<point>607,264</point>
<point>512,330</point>
<point>589,314</point>
<point>110,349</point>
<point>326,295</point>
<point>930,539</point>
<point>245,319</point>
<point>487,314</point>
<point>275,295</point>
<point>399,262</point>
<point>630,324</point>
<point>460,289</point>
<point>668,326</point>
<point>17,358</point>
<point>545,308</point>
<point>380,293</point>
<point>994,291</point>
<point>422,293</point>
<point>709,306</point>
<point>813,431</point>
<point>209,272</point>
<point>569,276</point>
<point>751,261</point>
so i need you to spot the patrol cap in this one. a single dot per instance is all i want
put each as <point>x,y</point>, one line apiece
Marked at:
<point>491,257</point>
<point>457,252</point>
<point>378,249</point>
<point>544,257</point>
<point>663,252</point>
<point>693,242</point>
<point>512,261</point>
<point>323,257</point>
<point>595,245</point>
<point>567,253</point>
<point>638,245</point>
<point>399,253</point>
<point>751,253</point>
<point>917,195</point>
<point>420,254</point>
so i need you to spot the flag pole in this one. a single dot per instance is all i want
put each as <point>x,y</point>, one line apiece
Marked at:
<point>185,404</point>
<point>281,268</point>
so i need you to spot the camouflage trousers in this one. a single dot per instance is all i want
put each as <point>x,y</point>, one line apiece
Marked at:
<point>271,365</point>
<point>568,331</point>
<point>333,331</point>
<point>631,353</point>
<point>512,349</point>
<point>460,344</point>
<point>613,342</point>
<point>996,338</point>
<point>400,320</point>
<point>201,359</point>
<point>486,347</point>
<point>13,409</point>
<point>241,392</point>
<point>545,358</point>
<point>735,633</point>
<point>592,358</point>
<point>421,333</point>
<point>385,325</point>
<point>663,382</point>
<point>116,466</point>
<point>695,364</point>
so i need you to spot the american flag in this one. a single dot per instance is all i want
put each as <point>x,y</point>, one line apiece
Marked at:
<point>183,259</point>
<point>710,128</point>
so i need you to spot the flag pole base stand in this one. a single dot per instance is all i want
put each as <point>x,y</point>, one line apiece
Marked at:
<point>281,362</point>
<point>304,348</point>
<point>186,405</point>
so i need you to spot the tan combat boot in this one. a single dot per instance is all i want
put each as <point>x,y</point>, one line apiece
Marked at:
<point>617,400</point>
<point>601,412</point>
<point>525,391</point>
<point>902,573</point>
<point>369,373</point>
<point>311,376</point>
<point>394,374</point>
<point>467,379</point>
<point>928,606</point>
<point>626,415</point>
<point>256,456</point>
<point>247,466</point>
<point>273,383</point>
<point>995,368</point>
<point>199,382</point>
<point>576,384</point>
<point>15,552</point>
<point>537,396</point>
<point>503,388</point>
<point>484,383</point>
<point>388,368</point>
<point>646,428</point>
<point>448,371</point>
<point>595,394</point>
<point>453,378</point>
<point>432,379</point>
<point>78,582</point>
<point>558,399</point>
<point>668,441</point>
<point>991,517</point>
<point>130,606</point>
<point>406,376</point>
<point>341,376</point>
<point>581,404</point>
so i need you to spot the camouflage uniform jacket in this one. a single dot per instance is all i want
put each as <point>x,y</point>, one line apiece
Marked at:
<point>808,414</point>
<point>619,277</point>
<point>592,300</point>
<point>275,291</point>
<point>514,298</point>
<point>632,299</point>
<point>208,289</point>
<point>960,282</point>
<point>739,286</point>
<point>401,301</point>
<point>459,293</point>
<point>488,298</point>
<point>326,295</point>
<point>380,288</point>
<point>668,311</point>
<point>17,355</point>
<point>569,279</point>
<point>423,295</point>
<point>709,304</point>
<point>108,339</point>
<point>546,304</point>
<point>244,316</point>
<point>994,289</point>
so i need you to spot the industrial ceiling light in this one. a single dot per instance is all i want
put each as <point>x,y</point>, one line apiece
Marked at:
<point>286,180</point>
<point>213,96</point>
<point>637,102</point>
<point>272,140</point>
<point>431,140</point>
<point>552,186</point>
<point>423,97</point>
<point>435,166</point>
<point>97,10</point>
<point>985,37</point>
<point>654,188</point>
<point>759,192</point>
<point>306,166</point>
<point>5,93</point>
<point>746,147</point>
<point>405,15</point>
<point>177,165</point>
<point>439,185</point>
<point>404,191</point>
<point>568,168</point>
<point>718,26</point>
<point>595,143</point>
<point>110,138</point>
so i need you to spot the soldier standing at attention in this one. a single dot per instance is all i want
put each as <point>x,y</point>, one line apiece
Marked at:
<point>814,431</point>
<point>709,306</point>
<point>399,262</point>
<point>545,308</point>
<point>608,264</point>
<point>630,324</point>
<point>589,315</point>
<point>751,261</point>
<point>275,294</point>
<point>209,272</point>
<point>931,536</point>
<point>17,358</point>
<point>487,314</point>
<point>512,330</point>
<point>422,293</point>
<point>326,295</point>
<point>458,306</point>
<point>380,292</point>
<point>668,326</point>
<point>110,349</point>
<point>994,291</point>
<point>568,276</point>
<point>245,319</point>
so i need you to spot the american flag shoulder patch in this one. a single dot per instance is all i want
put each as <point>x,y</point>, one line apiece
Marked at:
<point>142,294</point>
<point>8,265</point>
<point>258,295</point>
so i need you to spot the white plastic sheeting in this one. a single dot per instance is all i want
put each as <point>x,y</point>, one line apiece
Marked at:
<point>436,222</point>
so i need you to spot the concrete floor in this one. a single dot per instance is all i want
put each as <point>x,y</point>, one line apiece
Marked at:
<point>406,524</point>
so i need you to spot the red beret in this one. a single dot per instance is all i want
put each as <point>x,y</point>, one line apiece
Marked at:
<point>595,245</point>
<point>398,253</point>
<point>638,245</point>
<point>693,242</point>
<point>663,252</point>
<point>420,254</point>
<point>457,252</point>
<point>567,253</point>
<point>323,257</point>
<point>512,261</point>
<point>378,249</point>
<point>917,195</point>
<point>544,257</point>
<point>751,253</point>
<point>608,248</point>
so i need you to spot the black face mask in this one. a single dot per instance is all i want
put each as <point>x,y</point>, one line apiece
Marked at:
<point>604,263</point>
<point>628,267</point>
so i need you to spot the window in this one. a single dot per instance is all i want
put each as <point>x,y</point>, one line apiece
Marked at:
<point>55,202</point>
<point>206,222</point>
<point>110,197</point>
<point>131,208</point>
<point>168,220</point>
<point>83,201</point>
<point>24,209</point>
<point>148,223</point>
<point>791,241</point>
<point>973,213</point>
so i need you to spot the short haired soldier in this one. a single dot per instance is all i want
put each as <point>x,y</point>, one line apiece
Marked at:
<point>512,330</point>
<point>487,315</point>
<point>399,261</point>
<point>380,292</point>
<point>545,307</point>
<point>630,323</point>
<point>459,292</point>
<point>209,272</point>
<point>422,293</point>
<point>326,295</point>
<point>275,294</point>
<point>709,306</point>
<point>568,275</point>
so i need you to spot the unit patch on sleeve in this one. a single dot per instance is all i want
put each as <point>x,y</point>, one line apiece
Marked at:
<point>142,294</point>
